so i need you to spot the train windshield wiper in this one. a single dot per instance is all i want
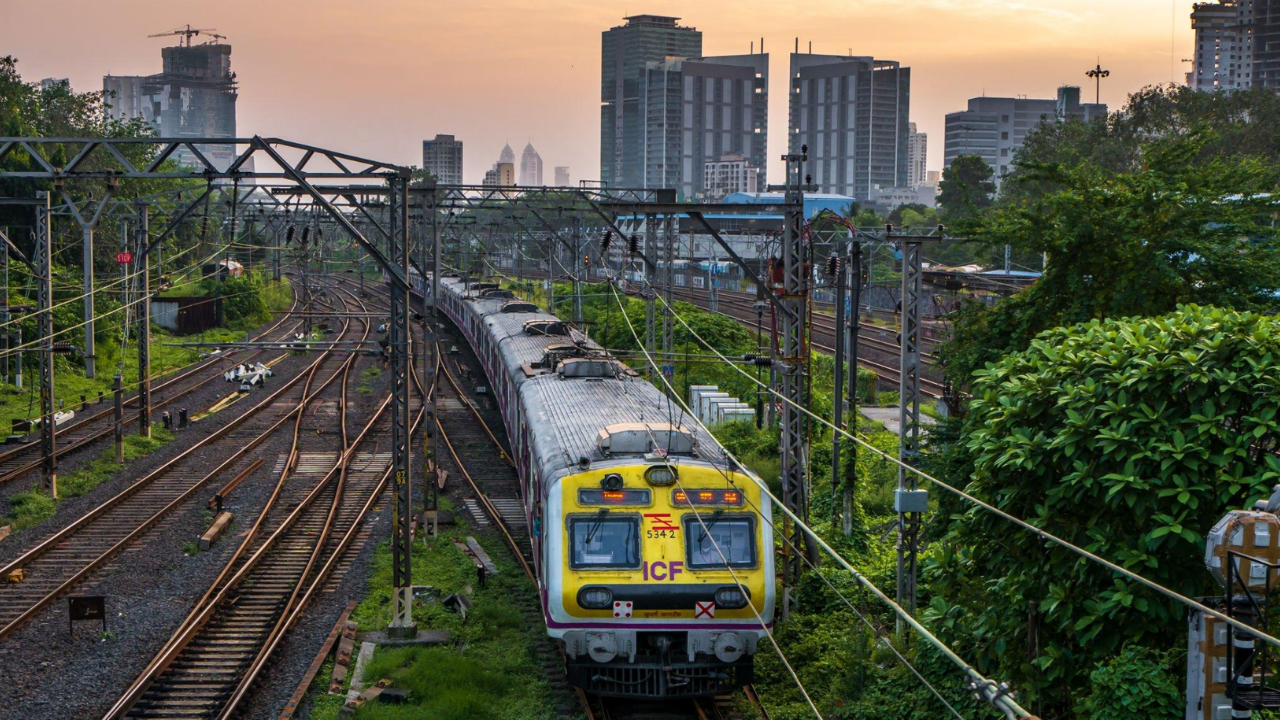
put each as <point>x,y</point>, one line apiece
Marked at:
<point>595,527</point>
<point>706,527</point>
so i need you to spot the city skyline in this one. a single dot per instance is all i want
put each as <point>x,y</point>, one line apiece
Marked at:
<point>956,51</point>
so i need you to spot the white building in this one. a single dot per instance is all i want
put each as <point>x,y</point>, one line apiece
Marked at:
<point>530,167</point>
<point>917,153</point>
<point>1224,46</point>
<point>732,173</point>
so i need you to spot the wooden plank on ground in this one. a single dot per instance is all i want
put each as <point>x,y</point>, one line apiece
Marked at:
<point>4,531</point>
<point>342,661</point>
<point>215,530</point>
<point>357,682</point>
<point>481,555</point>
<point>314,669</point>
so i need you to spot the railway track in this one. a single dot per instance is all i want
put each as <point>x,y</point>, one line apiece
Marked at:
<point>23,459</point>
<point>211,664</point>
<point>60,562</point>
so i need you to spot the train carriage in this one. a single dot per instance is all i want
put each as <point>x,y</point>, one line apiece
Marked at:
<point>653,553</point>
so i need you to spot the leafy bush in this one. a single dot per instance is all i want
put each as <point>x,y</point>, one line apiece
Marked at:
<point>1127,437</point>
<point>1135,683</point>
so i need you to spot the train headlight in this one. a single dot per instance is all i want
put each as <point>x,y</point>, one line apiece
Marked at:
<point>595,598</point>
<point>602,647</point>
<point>729,647</point>
<point>660,475</point>
<point>731,597</point>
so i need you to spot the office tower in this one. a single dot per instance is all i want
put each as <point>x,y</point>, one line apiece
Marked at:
<point>442,157</point>
<point>625,50</point>
<point>530,166</point>
<point>697,110</point>
<point>1237,45</point>
<point>562,176</point>
<point>507,155</point>
<point>193,96</point>
<point>851,112</point>
<point>995,128</point>
<point>917,154</point>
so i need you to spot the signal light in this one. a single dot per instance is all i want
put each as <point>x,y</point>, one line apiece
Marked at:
<point>586,261</point>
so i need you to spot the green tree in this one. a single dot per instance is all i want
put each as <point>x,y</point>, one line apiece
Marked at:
<point>1181,230</point>
<point>1127,437</point>
<point>966,188</point>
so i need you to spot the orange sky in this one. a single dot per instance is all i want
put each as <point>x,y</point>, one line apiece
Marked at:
<point>377,76</point>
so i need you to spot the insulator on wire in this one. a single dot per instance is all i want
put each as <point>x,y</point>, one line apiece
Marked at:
<point>833,266</point>
<point>633,245</point>
<point>288,236</point>
<point>306,234</point>
<point>605,241</point>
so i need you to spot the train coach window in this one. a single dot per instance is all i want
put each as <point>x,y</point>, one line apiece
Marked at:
<point>717,539</point>
<point>600,541</point>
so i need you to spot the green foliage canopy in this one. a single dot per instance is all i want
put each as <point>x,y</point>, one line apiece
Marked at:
<point>1127,437</point>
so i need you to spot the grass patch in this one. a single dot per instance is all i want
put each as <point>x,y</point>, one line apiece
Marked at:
<point>33,507</point>
<point>30,508</point>
<point>490,672</point>
<point>368,377</point>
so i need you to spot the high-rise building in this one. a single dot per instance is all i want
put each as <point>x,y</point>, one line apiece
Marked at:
<point>442,157</point>
<point>562,176</point>
<point>530,166</point>
<point>624,52</point>
<point>917,154</point>
<point>995,128</point>
<point>502,174</point>
<point>1237,45</point>
<point>699,109</point>
<point>852,113</point>
<point>193,97</point>
<point>507,155</point>
<point>732,173</point>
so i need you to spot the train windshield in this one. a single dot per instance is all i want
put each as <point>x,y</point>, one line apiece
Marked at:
<point>605,542</point>
<point>716,540</point>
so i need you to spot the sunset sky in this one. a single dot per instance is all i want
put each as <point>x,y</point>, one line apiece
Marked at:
<point>376,77</point>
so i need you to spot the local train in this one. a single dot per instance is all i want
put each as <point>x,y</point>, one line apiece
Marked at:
<point>653,552</point>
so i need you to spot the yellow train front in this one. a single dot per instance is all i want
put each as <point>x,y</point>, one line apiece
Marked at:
<point>664,581</point>
<point>653,553</point>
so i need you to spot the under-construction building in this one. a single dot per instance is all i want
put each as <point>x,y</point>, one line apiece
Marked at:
<point>194,96</point>
<point>1237,45</point>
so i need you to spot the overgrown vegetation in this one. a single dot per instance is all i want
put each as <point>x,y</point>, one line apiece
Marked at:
<point>488,670</point>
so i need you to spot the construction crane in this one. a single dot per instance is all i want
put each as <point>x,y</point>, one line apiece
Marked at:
<point>189,32</point>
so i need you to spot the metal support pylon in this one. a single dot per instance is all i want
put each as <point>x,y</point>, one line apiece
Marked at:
<point>646,289</point>
<point>143,298</point>
<point>792,365</point>
<point>668,261</point>
<point>44,324</point>
<point>851,339</point>
<point>402,541</point>
<point>909,419</point>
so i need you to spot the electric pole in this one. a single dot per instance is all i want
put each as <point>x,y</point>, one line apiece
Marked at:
<point>1097,73</point>
<point>44,323</point>
<point>143,298</point>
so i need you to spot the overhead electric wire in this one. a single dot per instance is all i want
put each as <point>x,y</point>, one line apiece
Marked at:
<point>1043,534</point>
<point>728,566</point>
<point>992,692</point>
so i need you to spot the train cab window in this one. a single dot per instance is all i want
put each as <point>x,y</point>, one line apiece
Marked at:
<point>706,541</point>
<point>602,541</point>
